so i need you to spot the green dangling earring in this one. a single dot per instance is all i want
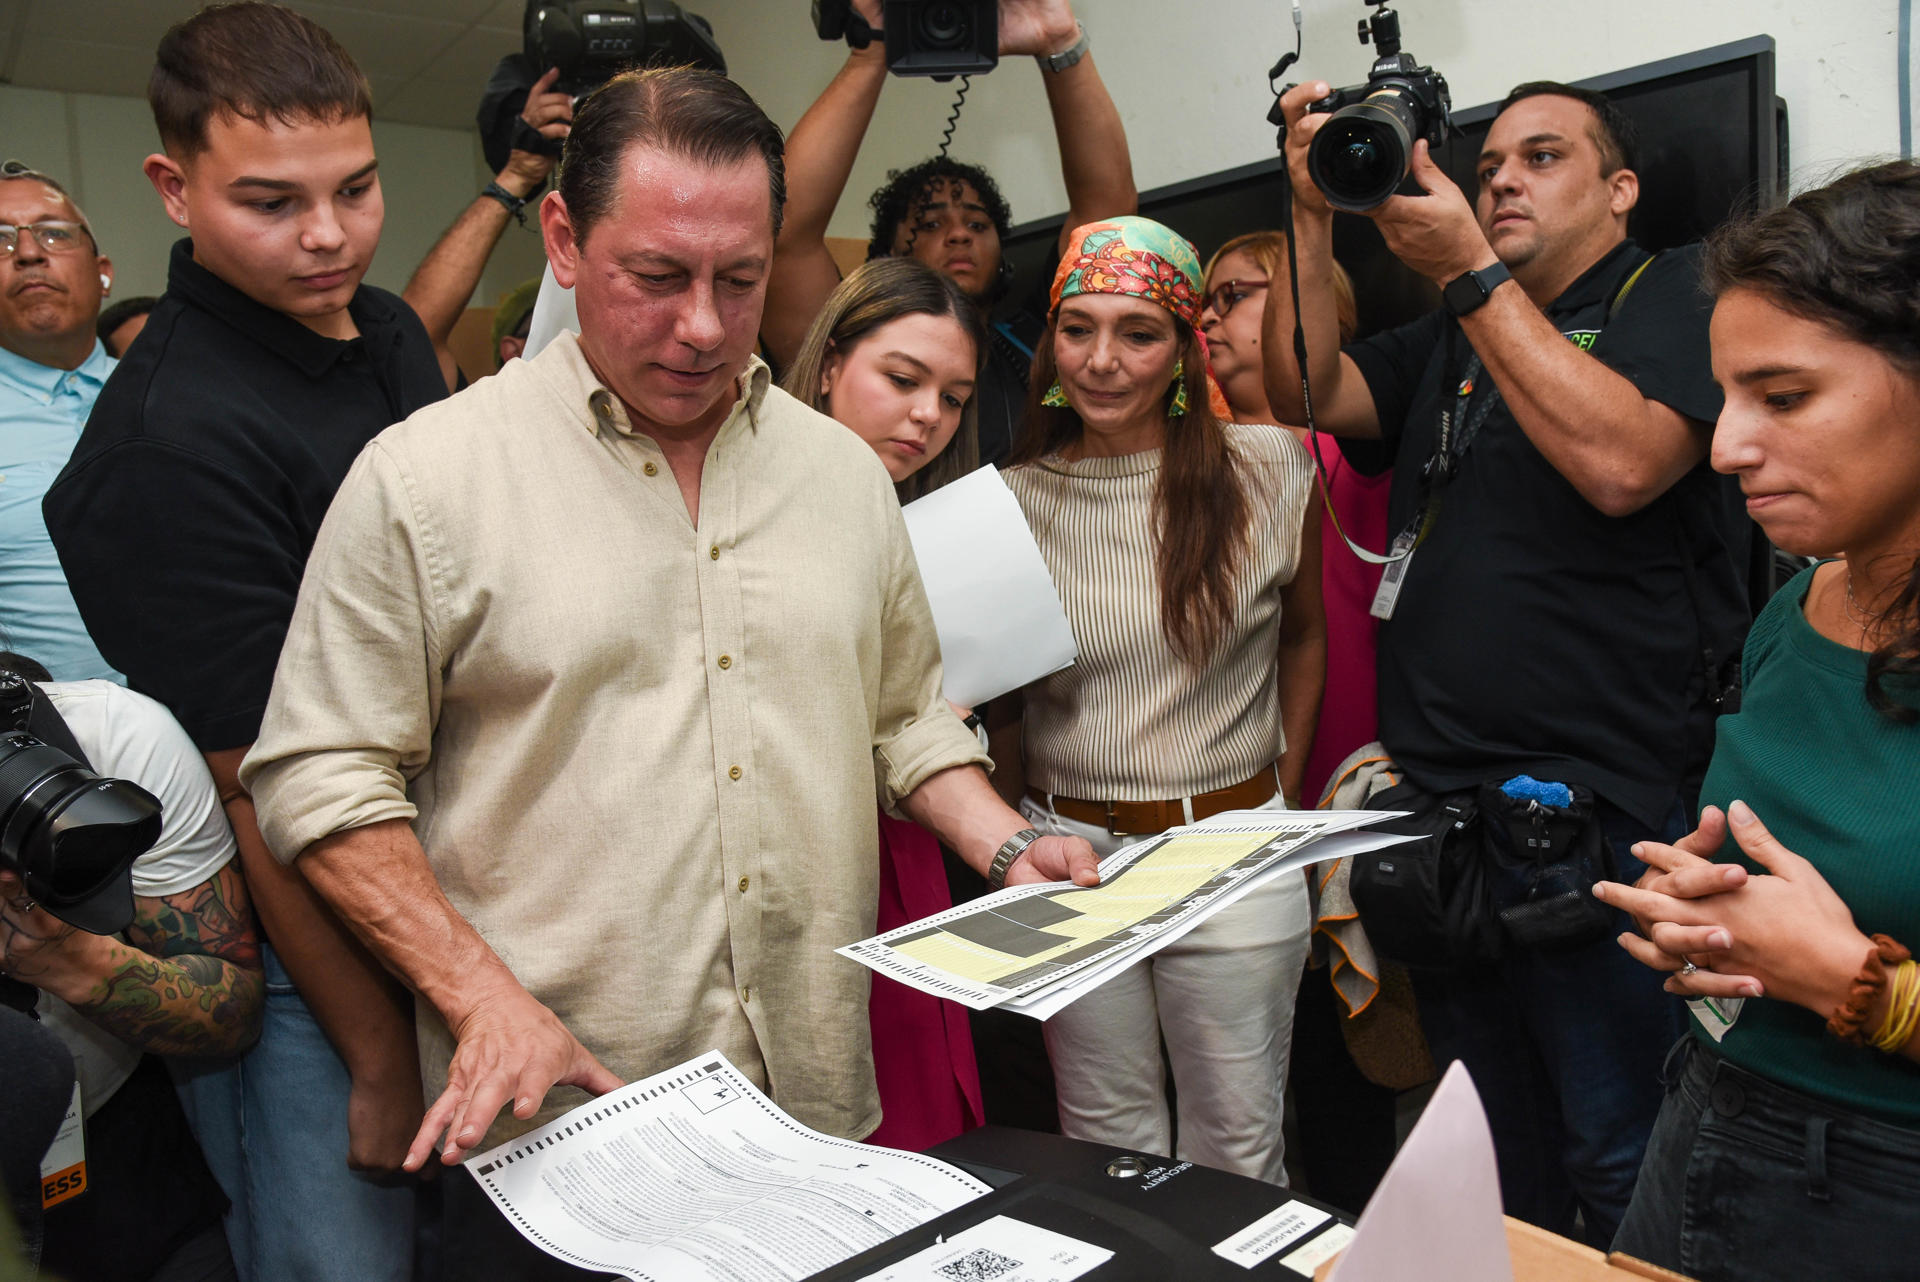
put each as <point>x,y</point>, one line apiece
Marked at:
<point>1179,406</point>
<point>1055,399</point>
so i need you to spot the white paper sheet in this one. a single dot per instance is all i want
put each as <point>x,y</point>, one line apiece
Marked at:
<point>1272,1233</point>
<point>1000,620</point>
<point>1001,1249</point>
<point>553,315</point>
<point>693,1175</point>
<point>1436,1215</point>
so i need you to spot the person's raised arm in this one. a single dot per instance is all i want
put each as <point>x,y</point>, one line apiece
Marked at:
<point>820,155</point>
<point>1342,404</point>
<point>1094,161</point>
<point>1621,449</point>
<point>443,283</point>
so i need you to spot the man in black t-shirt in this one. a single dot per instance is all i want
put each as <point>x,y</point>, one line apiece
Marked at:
<point>1575,599</point>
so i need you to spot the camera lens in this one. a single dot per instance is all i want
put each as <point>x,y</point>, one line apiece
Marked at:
<point>67,830</point>
<point>1360,155</point>
<point>943,25</point>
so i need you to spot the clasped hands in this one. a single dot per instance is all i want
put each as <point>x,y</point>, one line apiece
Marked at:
<point>1783,934</point>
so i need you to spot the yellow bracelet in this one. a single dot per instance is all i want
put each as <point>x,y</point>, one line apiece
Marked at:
<point>1903,1009</point>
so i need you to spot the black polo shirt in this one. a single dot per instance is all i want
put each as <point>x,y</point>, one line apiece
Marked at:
<point>185,515</point>
<point>1533,634</point>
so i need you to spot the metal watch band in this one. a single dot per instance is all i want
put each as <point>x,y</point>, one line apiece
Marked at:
<point>1469,290</point>
<point>1070,55</point>
<point>1003,859</point>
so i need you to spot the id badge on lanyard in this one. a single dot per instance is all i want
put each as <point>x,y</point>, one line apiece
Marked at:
<point>63,1171</point>
<point>1437,474</point>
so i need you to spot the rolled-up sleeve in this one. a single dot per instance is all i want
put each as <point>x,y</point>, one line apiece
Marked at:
<point>357,690</point>
<point>915,734</point>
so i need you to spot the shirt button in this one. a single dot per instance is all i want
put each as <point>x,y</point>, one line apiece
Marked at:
<point>726,661</point>
<point>650,469</point>
<point>733,772</point>
<point>746,994</point>
<point>743,885</point>
<point>713,553</point>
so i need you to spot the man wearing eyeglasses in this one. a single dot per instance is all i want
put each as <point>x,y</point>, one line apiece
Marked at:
<point>52,279</point>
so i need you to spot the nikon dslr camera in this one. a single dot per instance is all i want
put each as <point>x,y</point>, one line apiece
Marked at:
<point>1362,155</point>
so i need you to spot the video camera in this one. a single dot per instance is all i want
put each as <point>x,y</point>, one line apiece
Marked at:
<point>1363,154</point>
<point>70,835</point>
<point>937,38</point>
<point>591,42</point>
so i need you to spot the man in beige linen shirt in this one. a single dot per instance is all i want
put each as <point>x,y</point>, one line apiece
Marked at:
<point>599,667</point>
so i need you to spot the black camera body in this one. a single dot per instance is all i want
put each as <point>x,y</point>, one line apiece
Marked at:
<point>942,38</point>
<point>592,41</point>
<point>1363,154</point>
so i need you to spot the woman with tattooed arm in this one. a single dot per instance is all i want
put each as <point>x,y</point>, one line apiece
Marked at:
<point>183,980</point>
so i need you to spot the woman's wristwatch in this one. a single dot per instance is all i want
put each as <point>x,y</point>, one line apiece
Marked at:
<point>1004,858</point>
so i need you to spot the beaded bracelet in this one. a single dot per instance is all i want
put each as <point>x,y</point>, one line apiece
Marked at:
<point>1848,1022</point>
<point>1903,1010</point>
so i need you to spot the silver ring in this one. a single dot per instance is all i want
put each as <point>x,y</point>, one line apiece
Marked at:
<point>1689,969</point>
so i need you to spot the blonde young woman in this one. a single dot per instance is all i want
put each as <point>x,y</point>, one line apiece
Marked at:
<point>895,356</point>
<point>1186,550</point>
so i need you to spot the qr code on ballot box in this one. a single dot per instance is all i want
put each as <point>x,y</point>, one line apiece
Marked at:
<point>978,1266</point>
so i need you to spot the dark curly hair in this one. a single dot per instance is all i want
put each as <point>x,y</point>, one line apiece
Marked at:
<point>1847,256</point>
<point>907,188</point>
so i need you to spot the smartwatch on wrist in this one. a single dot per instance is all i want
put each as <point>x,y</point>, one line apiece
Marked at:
<point>1003,859</point>
<point>1469,290</point>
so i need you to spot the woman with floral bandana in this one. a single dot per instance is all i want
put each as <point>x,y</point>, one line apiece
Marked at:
<point>1186,550</point>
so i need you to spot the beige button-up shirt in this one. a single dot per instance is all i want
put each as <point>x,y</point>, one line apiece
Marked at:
<point>642,755</point>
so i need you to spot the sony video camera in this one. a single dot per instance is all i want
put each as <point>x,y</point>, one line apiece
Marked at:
<point>937,38</point>
<point>1362,155</point>
<point>70,835</point>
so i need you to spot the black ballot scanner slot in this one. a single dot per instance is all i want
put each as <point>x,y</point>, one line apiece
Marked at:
<point>1160,1218</point>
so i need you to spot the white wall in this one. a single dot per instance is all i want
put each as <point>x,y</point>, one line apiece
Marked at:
<point>1190,76</point>
<point>95,144</point>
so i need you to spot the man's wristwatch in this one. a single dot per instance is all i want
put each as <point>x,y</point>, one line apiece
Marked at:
<point>1070,55</point>
<point>1470,289</point>
<point>1010,850</point>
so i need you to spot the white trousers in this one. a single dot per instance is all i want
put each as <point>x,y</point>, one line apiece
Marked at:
<point>1221,996</point>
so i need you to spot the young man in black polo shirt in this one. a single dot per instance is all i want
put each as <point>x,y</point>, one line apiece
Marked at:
<point>184,520</point>
<point>1579,564</point>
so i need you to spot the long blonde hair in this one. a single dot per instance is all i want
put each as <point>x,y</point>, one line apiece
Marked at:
<point>876,293</point>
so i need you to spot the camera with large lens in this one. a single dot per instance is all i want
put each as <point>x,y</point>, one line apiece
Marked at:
<point>1363,154</point>
<point>70,835</point>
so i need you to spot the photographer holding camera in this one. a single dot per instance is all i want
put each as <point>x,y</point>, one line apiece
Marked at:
<point>1572,592</point>
<point>948,215</point>
<point>182,980</point>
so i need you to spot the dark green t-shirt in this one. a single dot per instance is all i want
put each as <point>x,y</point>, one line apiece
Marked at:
<point>1839,784</point>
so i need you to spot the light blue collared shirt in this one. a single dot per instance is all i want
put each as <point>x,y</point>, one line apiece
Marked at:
<point>42,410</point>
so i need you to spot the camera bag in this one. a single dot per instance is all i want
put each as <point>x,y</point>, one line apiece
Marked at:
<point>1428,903</point>
<point>1542,861</point>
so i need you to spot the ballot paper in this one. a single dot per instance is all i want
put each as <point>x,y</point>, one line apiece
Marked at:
<point>1035,949</point>
<point>1001,1249</point>
<point>994,606</point>
<point>693,1175</point>
<point>1436,1215</point>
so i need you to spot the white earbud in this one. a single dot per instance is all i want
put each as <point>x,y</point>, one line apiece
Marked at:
<point>106,281</point>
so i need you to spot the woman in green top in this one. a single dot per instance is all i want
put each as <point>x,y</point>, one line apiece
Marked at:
<point>1789,1146</point>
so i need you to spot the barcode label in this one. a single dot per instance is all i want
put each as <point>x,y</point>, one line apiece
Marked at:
<point>979,1266</point>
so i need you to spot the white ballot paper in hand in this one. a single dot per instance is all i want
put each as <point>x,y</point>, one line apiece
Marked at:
<point>1000,620</point>
<point>694,1176</point>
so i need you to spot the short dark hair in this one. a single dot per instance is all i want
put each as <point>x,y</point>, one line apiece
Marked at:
<point>696,115</point>
<point>20,171</point>
<point>122,312</point>
<point>253,60</point>
<point>906,189</point>
<point>1612,130</point>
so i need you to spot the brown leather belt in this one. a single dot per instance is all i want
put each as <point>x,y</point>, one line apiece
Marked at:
<point>1137,818</point>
